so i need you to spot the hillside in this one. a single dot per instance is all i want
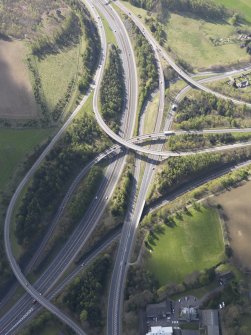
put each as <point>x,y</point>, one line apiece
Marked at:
<point>23,19</point>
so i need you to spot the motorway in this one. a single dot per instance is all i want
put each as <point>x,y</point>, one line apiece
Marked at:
<point>113,149</point>
<point>116,149</point>
<point>106,242</point>
<point>110,176</point>
<point>134,212</point>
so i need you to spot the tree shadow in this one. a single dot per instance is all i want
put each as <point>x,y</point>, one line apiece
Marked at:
<point>170,222</point>
<point>179,216</point>
<point>148,246</point>
<point>205,18</point>
<point>187,212</point>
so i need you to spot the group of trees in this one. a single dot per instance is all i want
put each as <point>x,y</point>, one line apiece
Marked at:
<point>43,320</point>
<point>90,56</point>
<point>81,141</point>
<point>74,211</point>
<point>68,34</point>
<point>146,63</point>
<point>248,47</point>
<point>198,141</point>
<point>92,52</point>
<point>38,92</point>
<point>122,195</point>
<point>84,195</point>
<point>206,110</point>
<point>77,24</point>
<point>141,288</point>
<point>179,170</point>
<point>204,8</point>
<point>157,29</point>
<point>233,316</point>
<point>112,91</point>
<point>84,294</point>
<point>61,104</point>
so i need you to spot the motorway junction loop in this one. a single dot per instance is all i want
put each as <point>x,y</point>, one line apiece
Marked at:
<point>126,143</point>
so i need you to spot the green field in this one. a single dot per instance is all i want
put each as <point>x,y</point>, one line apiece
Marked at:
<point>195,243</point>
<point>244,6</point>
<point>56,71</point>
<point>190,39</point>
<point>15,145</point>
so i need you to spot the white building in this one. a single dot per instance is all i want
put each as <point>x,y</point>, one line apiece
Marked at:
<point>161,331</point>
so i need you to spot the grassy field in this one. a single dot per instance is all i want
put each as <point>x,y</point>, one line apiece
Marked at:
<point>16,96</point>
<point>194,45</point>
<point>15,145</point>
<point>193,244</point>
<point>20,20</point>
<point>56,72</point>
<point>243,6</point>
<point>189,37</point>
<point>150,115</point>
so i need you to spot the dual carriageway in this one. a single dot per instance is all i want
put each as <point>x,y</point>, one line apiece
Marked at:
<point>43,288</point>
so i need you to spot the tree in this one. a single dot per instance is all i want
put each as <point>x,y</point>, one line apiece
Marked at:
<point>84,315</point>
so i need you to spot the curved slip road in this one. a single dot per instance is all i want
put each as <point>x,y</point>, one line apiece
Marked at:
<point>155,152</point>
<point>171,62</point>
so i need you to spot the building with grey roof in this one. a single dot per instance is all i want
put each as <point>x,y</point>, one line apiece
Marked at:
<point>210,321</point>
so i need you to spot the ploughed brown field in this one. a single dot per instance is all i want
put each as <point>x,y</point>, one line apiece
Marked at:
<point>237,207</point>
<point>16,96</point>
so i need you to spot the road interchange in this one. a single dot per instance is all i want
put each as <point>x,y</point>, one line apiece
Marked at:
<point>147,176</point>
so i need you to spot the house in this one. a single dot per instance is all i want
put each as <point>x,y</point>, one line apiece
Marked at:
<point>161,331</point>
<point>155,312</point>
<point>243,84</point>
<point>210,321</point>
